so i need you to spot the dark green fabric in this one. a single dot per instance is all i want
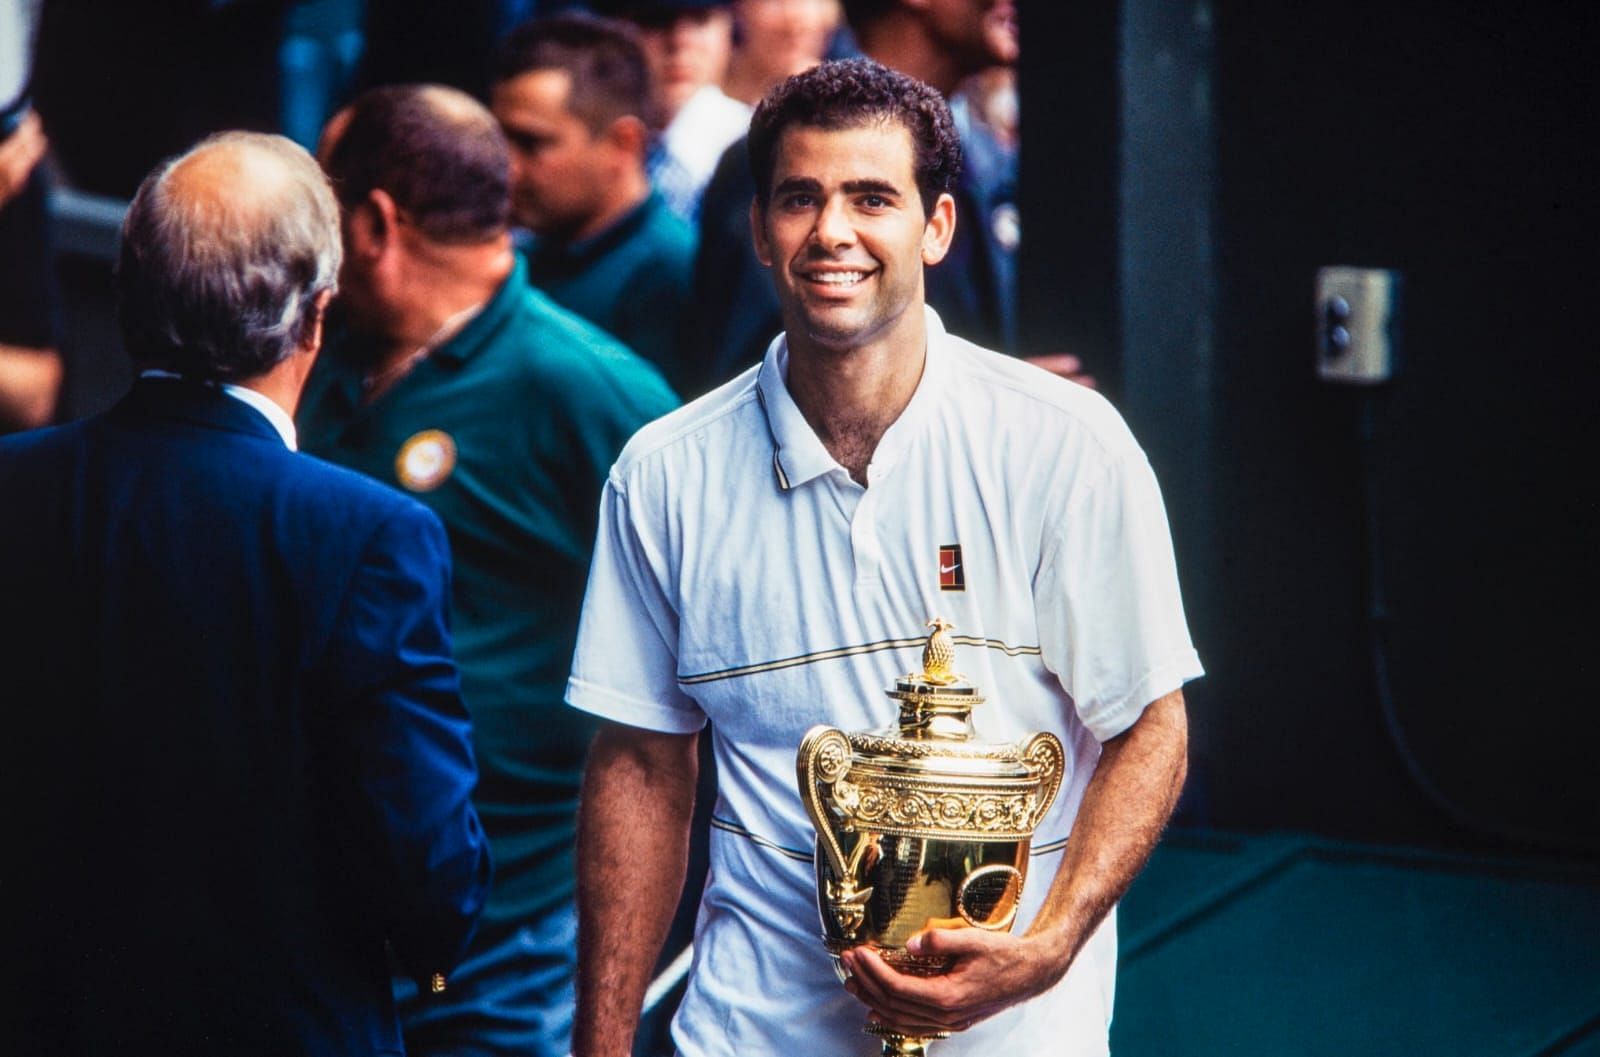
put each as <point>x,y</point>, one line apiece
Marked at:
<point>633,280</point>
<point>1260,946</point>
<point>538,404</point>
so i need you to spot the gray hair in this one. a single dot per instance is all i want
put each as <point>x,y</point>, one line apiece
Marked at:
<point>222,285</point>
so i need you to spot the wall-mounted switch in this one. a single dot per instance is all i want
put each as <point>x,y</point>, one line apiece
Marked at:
<point>1358,324</point>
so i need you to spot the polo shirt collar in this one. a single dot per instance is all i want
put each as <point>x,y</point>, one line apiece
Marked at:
<point>799,456</point>
<point>575,256</point>
<point>481,327</point>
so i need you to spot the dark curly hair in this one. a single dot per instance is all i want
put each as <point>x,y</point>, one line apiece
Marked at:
<point>851,93</point>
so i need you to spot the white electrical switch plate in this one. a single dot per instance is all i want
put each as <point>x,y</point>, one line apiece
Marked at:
<point>1358,324</point>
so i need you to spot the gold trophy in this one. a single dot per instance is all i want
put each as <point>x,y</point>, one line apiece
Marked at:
<point>921,825</point>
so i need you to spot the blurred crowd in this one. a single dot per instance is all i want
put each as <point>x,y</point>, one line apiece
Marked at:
<point>630,186</point>
<point>546,219</point>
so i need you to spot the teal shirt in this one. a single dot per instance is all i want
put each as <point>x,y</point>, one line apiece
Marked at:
<point>507,432</point>
<point>633,279</point>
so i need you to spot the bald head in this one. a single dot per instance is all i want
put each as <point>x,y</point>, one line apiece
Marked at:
<point>225,253</point>
<point>434,150</point>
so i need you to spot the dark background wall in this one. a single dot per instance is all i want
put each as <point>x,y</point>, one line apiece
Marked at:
<point>1188,167</point>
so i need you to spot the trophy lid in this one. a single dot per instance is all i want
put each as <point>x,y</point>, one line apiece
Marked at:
<point>936,703</point>
<point>934,732</point>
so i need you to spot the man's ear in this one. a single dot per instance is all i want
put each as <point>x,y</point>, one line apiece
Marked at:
<point>319,315</point>
<point>758,233</point>
<point>629,135</point>
<point>372,225</point>
<point>940,229</point>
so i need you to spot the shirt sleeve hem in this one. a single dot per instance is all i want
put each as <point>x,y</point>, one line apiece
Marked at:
<point>633,711</point>
<point>1109,720</point>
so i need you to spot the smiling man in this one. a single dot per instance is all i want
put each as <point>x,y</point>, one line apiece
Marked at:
<point>886,471</point>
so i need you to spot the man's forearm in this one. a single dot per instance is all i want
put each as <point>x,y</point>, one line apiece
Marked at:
<point>1125,807</point>
<point>633,842</point>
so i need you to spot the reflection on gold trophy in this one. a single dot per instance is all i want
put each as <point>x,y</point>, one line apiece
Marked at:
<point>920,825</point>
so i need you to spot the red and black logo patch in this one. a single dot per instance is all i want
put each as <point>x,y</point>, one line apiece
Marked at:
<point>952,577</point>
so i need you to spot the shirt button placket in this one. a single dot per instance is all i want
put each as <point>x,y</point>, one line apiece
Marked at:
<point>864,531</point>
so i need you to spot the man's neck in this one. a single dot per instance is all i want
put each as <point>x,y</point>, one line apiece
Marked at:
<point>850,397</point>
<point>629,191</point>
<point>900,41</point>
<point>439,290</point>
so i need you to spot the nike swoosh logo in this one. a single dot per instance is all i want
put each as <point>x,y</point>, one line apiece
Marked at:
<point>949,568</point>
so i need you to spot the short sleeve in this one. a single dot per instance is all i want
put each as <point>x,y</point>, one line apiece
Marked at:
<point>625,667</point>
<point>1109,611</point>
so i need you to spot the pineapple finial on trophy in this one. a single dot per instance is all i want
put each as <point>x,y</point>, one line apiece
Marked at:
<point>939,655</point>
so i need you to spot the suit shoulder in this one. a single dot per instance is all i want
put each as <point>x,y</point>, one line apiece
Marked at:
<point>350,496</point>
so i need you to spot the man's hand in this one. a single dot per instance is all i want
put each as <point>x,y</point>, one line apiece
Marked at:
<point>990,971</point>
<point>1064,364</point>
<point>19,153</point>
<point>1125,805</point>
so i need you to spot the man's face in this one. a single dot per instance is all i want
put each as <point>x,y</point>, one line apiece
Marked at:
<point>687,50</point>
<point>786,36</point>
<point>558,167</point>
<point>844,233</point>
<point>982,32</point>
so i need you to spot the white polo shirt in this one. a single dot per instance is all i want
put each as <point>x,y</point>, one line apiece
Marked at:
<point>740,575</point>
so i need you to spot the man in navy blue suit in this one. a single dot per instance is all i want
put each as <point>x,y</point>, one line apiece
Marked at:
<point>236,763</point>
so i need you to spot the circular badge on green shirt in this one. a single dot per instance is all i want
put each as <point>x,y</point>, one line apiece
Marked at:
<point>425,460</point>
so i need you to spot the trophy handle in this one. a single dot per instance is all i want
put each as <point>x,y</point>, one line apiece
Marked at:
<point>1048,760</point>
<point>824,757</point>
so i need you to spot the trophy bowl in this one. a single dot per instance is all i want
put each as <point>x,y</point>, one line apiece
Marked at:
<point>920,825</point>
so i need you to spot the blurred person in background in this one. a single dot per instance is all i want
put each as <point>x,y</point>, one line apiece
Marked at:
<point>774,39</point>
<point>689,43</point>
<point>572,94</point>
<point>991,97</point>
<point>123,85</point>
<point>237,762</point>
<point>938,42</point>
<point>425,41</point>
<point>30,367</point>
<point>459,384</point>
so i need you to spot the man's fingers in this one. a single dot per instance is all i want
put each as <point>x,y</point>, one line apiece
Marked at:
<point>901,1000</point>
<point>948,943</point>
<point>1064,364</point>
<point>919,1029</point>
<point>19,154</point>
<point>880,986</point>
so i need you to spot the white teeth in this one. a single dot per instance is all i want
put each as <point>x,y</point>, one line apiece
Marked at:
<point>839,278</point>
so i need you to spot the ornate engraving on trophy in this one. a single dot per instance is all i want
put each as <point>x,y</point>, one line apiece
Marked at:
<point>920,825</point>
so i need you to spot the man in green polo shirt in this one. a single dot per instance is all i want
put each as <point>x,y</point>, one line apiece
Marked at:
<point>573,95</point>
<point>457,382</point>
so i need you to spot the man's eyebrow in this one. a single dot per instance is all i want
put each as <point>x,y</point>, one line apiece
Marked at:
<point>880,187</point>
<point>798,183</point>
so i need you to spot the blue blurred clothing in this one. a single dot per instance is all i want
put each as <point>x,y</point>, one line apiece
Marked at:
<point>973,289</point>
<point>511,997</point>
<point>237,762</point>
<point>684,157</point>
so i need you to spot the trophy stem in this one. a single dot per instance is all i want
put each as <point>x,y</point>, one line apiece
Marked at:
<point>898,1045</point>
